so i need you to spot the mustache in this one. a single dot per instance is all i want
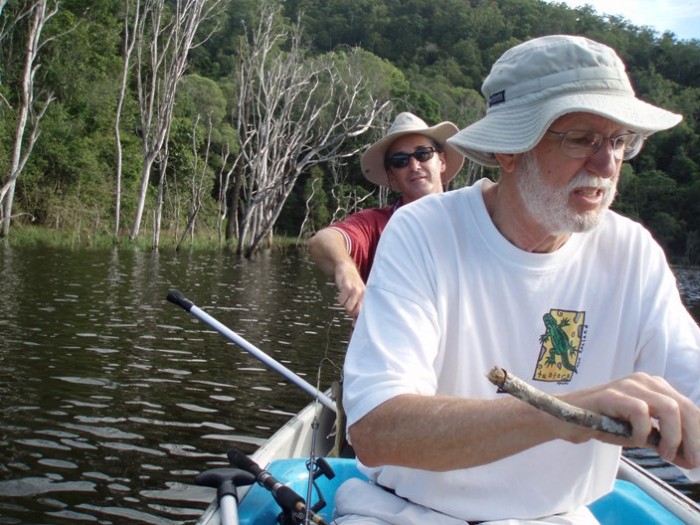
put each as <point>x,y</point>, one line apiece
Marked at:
<point>586,180</point>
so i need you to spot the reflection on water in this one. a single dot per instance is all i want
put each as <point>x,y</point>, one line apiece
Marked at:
<point>113,399</point>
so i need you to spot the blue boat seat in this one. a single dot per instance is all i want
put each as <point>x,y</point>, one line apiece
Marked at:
<point>626,504</point>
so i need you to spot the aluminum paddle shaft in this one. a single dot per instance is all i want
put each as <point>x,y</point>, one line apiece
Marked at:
<point>177,298</point>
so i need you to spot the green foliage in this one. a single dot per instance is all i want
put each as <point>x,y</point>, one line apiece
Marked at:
<point>426,56</point>
<point>650,197</point>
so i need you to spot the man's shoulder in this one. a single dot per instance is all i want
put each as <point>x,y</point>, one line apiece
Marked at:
<point>366,217</point>
<point>620,223</point>
<point>440,203</point>
<point>623,235</point>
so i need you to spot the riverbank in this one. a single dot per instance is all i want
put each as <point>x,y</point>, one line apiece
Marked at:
<point>26,236</point>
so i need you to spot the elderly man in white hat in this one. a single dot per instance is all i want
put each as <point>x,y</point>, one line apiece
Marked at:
<point>535,275</point>
<point>412,159</point>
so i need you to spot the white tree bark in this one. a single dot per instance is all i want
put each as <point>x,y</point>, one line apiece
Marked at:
<point>37,14</point>
<point>129,42</point>
<point>223,180</point>
<point>293,113</point>
<point>163,42</point>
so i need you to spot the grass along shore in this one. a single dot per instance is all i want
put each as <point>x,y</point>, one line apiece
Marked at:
<point>24,236</point>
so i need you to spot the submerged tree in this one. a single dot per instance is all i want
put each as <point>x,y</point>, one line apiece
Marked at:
<point>165,34</point>
<point>129,43</point>
<point>293,113</point>
<point>30,111</point>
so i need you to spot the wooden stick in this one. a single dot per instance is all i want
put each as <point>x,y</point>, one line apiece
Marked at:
<point>561,410</point>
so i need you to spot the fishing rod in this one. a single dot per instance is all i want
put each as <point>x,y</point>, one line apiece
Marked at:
<point>176,297</point>
<point>294,508</point>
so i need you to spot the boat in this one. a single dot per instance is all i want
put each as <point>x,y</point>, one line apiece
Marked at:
<point>272,485</point>
<point>638,497</point>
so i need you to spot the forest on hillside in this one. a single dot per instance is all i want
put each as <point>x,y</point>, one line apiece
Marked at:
<point>235,120</point>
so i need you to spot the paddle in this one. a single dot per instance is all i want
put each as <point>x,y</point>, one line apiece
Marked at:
<point>226,481</point>
<point>177,298</point>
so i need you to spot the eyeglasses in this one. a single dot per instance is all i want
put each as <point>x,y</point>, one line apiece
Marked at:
<point>401,160</point>
<point>584,144</point>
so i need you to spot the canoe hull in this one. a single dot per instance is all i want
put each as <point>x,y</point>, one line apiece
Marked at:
<point>638,494</point>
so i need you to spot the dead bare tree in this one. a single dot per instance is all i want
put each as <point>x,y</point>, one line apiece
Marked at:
<point>345,197</point>
<point>129,42</point>
<point>293,113</point>
<point>315,183</point>
<point>198,179</point>
<point>3,23</point>
<point>165,33</point>
<point>30,112</point>
<point>223,179</point>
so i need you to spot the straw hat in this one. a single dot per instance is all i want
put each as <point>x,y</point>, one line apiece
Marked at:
<point>536,82</point>
<point>373,160</point>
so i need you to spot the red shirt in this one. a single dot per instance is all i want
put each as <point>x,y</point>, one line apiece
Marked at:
<point>362,231</point>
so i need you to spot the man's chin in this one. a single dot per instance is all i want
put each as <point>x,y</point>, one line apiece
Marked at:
<point>585,222</point>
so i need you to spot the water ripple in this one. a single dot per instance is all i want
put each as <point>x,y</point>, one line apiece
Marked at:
<point>40,486</point>
<point>113,399</point>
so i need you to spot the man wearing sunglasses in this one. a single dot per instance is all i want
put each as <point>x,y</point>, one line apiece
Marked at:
<point>535,275</point>
<point>413,160</point>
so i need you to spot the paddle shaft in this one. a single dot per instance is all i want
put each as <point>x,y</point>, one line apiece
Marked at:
<point>226,482</point>
<point>177,298</point>
<point>228,509</point>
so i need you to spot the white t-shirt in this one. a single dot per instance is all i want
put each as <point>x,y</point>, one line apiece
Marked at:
<point>449,298</point>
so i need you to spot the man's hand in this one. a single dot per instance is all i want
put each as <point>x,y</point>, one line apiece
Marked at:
<point>329,252</point>
<point>646,402</point>
<point>351,288</point>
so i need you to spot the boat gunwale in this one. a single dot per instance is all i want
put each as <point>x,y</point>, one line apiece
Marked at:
<point>299,426</point>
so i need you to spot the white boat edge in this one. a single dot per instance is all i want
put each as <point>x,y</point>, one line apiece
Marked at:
<point>294,439</point>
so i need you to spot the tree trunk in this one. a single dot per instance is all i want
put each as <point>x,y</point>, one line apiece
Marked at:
<point>161,64</point>
<point>293,113</point>
<point>232,225</point>
<point>129,42</point>
<point>143,191</point>
<point>38,15</point>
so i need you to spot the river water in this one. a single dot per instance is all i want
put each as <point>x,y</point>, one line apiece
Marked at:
<point>112,399</point>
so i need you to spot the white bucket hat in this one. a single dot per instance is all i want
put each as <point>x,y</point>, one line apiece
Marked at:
<point>373,160</point>
<point>536,82</point>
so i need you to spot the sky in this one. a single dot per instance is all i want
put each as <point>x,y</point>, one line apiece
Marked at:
<point>682,17</point>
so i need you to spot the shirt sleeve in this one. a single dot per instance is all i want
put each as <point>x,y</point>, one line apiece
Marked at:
<point>669,334</point>
<point>362,231</point>
<point>396,338</point>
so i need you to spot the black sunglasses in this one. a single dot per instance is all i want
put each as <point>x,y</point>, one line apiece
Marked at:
<point>401,160</point>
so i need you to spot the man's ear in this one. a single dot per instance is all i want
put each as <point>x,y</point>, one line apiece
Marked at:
<point>443,166</point>
<point>508,161</point>
<point>390,179</point>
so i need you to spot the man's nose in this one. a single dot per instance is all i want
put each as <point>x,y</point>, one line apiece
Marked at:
<point>603,162</point>
<point>414,163</point>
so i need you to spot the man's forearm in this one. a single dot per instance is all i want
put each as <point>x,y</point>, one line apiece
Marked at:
<point>445,433</point>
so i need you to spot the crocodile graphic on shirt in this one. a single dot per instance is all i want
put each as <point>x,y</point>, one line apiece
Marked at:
<point>560,346</point>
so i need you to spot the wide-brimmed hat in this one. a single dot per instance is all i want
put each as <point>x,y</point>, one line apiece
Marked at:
<point>536,82</point>
<point>373,160</point>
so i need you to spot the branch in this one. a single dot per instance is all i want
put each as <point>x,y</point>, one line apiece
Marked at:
<point>553,406</point>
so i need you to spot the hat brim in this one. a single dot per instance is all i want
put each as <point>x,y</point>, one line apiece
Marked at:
<point>372,161</point>
<point>518,129</point>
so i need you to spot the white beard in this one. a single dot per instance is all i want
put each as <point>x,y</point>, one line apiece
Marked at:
<point>549,205</point>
